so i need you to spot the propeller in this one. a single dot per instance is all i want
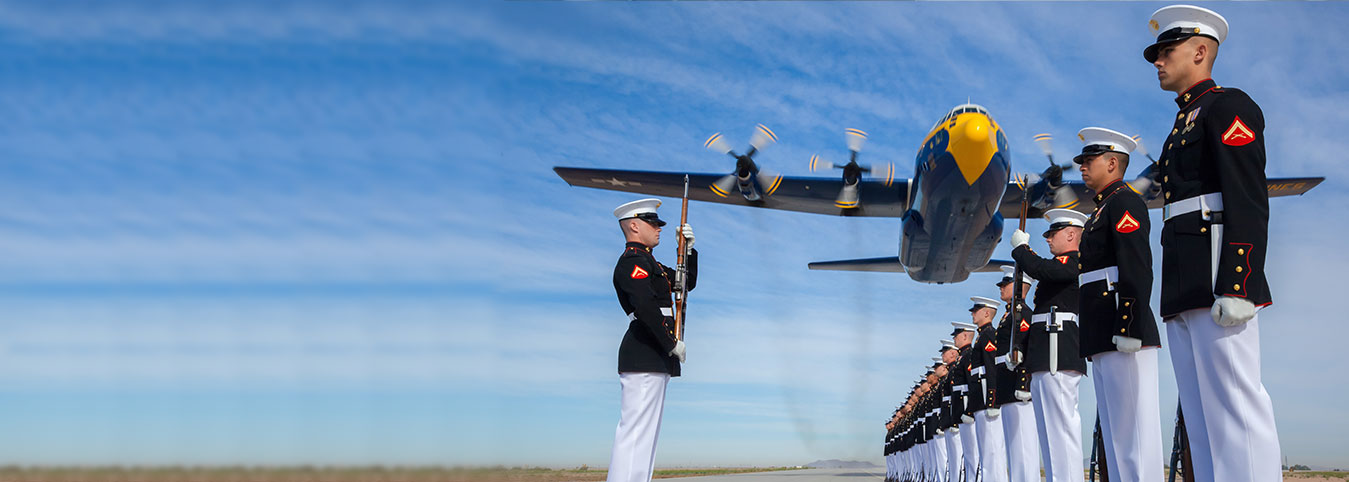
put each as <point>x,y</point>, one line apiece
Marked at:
<point>1146,184</point>
<point>745,168</point>
<point>849,197</point>
<point>1049,182</point>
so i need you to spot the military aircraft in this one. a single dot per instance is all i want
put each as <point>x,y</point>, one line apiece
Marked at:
<point>951,210</point>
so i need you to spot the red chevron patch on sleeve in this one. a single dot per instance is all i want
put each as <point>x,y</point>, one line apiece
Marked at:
<point>1238,134</point>
<point>638,272</point>
<point>1025,326</point>
<point>1062,259</point>
<point>990,347</point>
<point>1127,224</point>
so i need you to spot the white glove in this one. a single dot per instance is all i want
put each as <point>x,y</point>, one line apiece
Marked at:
<point>955,429</point>
<point>1023,395</point>
<point>1020,238</point>
<point>940,431</point>
<point>1126,344</point>
<point>687,232</point>
<point>993,412</point>
<point>1013,360</point>
<point>1231,311</point>
<point>678,351</point>
<point>966,419</point>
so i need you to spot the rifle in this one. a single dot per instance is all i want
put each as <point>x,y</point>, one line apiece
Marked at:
<point>1180,451</point>
<point>1098,454</point>
<point>681,265</point>
<point>1018,296</point>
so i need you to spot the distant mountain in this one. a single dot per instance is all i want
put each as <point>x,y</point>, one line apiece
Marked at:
<point>840,464</point>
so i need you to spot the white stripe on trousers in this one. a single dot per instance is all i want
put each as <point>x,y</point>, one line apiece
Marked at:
<point>1131,420</point>
<point>992,447</point>
<point>1018,429</point>
<point>1058,423</point>
<point>1228,414</point>
<point>638,426</point>
<point>969,446</point>
<point>953,456</point>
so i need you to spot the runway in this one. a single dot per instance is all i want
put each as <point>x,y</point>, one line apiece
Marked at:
<point>804,475</point>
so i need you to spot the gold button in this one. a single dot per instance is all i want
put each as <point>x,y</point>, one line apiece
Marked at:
<point>1168,195</point>
<point>1174,131</point>
<point>1241,250</point>
<point>1237,287</point>
<point>1105,293</point>
<point>1126,303</point>
<point>1203,230</point>
<point>1239,269</point>
<point>1121,330</point>
<point>1169,145</point>
<point>1125,317</point>
<point>1182,142</point>
<point>1180,116</point>
<point>1079,265</point>
<point>1166,178</point>
<point>1168,161</point>
<point>1187,97</point>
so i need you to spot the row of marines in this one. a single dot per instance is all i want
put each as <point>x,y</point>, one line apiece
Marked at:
<point>970,418</point>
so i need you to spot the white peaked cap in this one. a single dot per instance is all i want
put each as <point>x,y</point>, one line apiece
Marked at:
<point>640,206</point>
<point>1179,22</point>
<point>1062,218</point>
<point>982,301</point>
<point>1099,140</point>
<point>1010,271</point>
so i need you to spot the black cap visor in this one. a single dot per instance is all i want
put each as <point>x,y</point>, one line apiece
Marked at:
<point>1053,228</point>
<point>1090,151</point>
<point>1169,37</point>
<point>651,218</point>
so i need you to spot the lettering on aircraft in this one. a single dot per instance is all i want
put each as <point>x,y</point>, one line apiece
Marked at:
<point>1288,186</point>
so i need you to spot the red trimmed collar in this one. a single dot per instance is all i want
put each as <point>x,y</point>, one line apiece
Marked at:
<point>1195,92</point>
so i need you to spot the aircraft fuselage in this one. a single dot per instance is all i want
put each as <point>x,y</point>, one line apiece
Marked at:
<point>952,223</point>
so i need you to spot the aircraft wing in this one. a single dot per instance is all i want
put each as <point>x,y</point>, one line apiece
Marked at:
<point>802,194</point>
<point>1011,198</point>
<point>891,264</point>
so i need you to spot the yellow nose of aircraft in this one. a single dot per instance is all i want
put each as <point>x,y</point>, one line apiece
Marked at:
<point>972,145</point>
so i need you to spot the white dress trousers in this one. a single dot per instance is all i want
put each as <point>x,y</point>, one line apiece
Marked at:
<point>1018,429</point>
<point>642,404</point>
<point>1131,421</point>
<point>953,456</point>
<point>969,447</point>
<point>938,445</point>
<point>992,447</point>
<point>1229,416</point>
<point>1058,423</point>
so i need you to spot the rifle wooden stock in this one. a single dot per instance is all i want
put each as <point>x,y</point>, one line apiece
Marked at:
<point>681,264</point>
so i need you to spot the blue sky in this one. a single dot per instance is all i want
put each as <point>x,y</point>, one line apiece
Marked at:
<point>329,233</point>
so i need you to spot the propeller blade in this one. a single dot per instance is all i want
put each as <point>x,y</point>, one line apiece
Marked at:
<point>768,181</point>
<point>856,138</point>
<point>724,185</point>
<point>818,164</point>
<point>1146,183</point>
<point>716,143</point>
<point>1142,149</point>
<point>762,137</point>
<point>1065,199</point>
<point>1046,145</point>
<point>884,173</point>
<point>847,197</point>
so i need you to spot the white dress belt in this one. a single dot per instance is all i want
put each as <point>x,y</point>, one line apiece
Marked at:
<point>1208,203</point>
<point>667,311</point>
<point>958,388</point>
<point>1059,317</point>
<point>946,399</point>
<point>1109,274</point>
<point>1000,360</point>
<point>977,371</point>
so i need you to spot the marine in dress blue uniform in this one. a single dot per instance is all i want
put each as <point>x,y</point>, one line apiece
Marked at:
<point>1052,354</point>
<point>983,400</point>
<point>650,353</point>
<point>1119,333</point>
<point>1214,243</point>
<point>1014,397</point>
